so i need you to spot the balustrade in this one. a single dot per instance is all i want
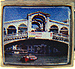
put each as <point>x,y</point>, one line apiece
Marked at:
<point>15,36</point>
<point>58,37</point>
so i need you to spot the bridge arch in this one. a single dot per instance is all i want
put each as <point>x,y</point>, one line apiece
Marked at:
<point>54,29</point>
<point>35,26</point>
<point>11,29</point>
<point>64,30</point>
<point>39,13</point>
<point>22,28</point>
<point>40,21</point>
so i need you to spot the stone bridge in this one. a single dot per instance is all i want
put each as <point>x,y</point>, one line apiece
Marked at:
<point>17,37</point>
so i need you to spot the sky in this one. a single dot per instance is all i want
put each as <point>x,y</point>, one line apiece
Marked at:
<point>20,12</point>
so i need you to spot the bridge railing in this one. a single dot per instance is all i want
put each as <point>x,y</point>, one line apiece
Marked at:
<point>15,36</point>
<point>58,37</point>
<point>61,37</point>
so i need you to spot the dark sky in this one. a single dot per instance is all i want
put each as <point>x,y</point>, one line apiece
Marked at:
<point>16,12</point>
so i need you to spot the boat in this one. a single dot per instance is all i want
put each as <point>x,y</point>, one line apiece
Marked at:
<point>27,58</point>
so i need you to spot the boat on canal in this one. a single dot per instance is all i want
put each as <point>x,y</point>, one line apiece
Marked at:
<point>27,58</point>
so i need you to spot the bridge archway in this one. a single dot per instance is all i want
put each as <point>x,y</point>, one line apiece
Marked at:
<point>40,20</point>
<point>11,29</point>
<point>22,28</point>
<point>54,29</point>
<point>35,26</point>
<point>64,30</point>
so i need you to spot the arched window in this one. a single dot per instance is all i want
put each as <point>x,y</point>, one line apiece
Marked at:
<point>54,29</point>
<point>11,30</point>
<point>64,30</point>
<point>22,28</point>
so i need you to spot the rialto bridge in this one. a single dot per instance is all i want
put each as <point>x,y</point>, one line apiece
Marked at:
<point>35,22</point>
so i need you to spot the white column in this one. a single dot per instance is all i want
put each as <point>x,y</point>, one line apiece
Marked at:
<point>29,23</point>
<point>6,31</point>
<point>6,27</point>
<point>17,30</point>
<point>47,24</point>
<point>59,30</point>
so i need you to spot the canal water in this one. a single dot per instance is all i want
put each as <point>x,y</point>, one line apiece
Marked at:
<point>54,53</point>
<point>42,59</point>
